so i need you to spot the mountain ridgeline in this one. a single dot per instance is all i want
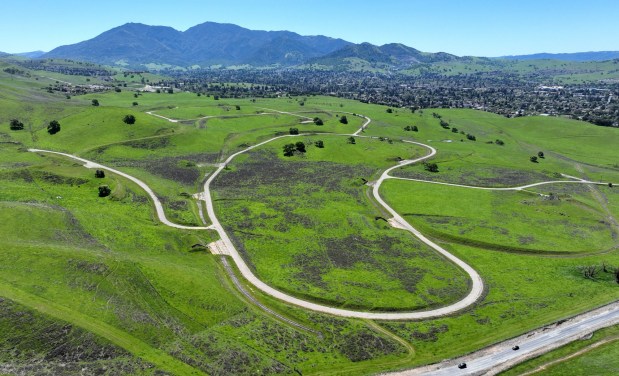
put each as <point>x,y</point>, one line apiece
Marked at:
<point>138,45</point>
<point>575,56</point>
<point>206,44</point>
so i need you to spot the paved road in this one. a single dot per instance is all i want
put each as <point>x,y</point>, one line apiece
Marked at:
<point>500,357</point>
<point>154,198</point>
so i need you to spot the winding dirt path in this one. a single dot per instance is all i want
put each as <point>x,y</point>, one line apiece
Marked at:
<point>518,188</point>
<point>158,206</point>
<point>477,285</point>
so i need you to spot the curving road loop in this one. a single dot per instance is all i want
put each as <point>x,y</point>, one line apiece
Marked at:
<point>153,196</point>
<point>477,285</point>
<point>479,362</point>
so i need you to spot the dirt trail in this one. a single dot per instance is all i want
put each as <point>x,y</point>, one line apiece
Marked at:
<point>477,286</point>
<point>158,206</point>
<point>577,353</point>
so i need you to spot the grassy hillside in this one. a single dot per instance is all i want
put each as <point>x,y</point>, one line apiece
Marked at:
<point>115,285</point>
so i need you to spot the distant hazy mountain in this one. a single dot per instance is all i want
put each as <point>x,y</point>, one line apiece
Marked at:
<point>3,54</point>
<point>210,43</point>
<point>32,54</point>
<point>577,56</point>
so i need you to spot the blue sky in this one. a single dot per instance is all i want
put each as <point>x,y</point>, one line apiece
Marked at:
<point>461,27</point>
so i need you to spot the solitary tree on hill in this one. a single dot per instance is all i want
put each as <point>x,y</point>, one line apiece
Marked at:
<point>53,127</point>
<point>129,119</point>
<point>104,191</point>
<point>95,102</point>
<point>351,140</point>
<point>318,121</point>
<point>99,174</point>
<point>319,144</point>
<point>300,146</point>
<point>294,130</point>
<point>432,167</point>
<point>16,125</point>
<point>343,119</point>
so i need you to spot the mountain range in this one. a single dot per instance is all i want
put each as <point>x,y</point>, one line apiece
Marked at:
<point>140,46</point>
<point>210,43</point>
<point>576,56</point>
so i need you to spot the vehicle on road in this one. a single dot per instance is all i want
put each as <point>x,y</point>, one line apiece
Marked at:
<point>462,365</point>
<point>516,348</point>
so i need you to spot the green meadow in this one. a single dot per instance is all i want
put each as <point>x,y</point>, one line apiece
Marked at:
<point>123,293</point>
<point>595,355</point>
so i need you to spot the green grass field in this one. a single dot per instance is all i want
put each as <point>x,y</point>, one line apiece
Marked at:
<point>307,226</point>
<point>106,275</point>
<point>507,220</point>
<point>597,355</point>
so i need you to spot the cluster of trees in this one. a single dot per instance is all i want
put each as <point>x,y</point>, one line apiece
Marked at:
<point>68,67</point>
<point>592,271</point>
<point>52,128</point>
<point>412,128</point>
<point>11,70</point>
<point>534,158</point>
<point>290,149</point>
